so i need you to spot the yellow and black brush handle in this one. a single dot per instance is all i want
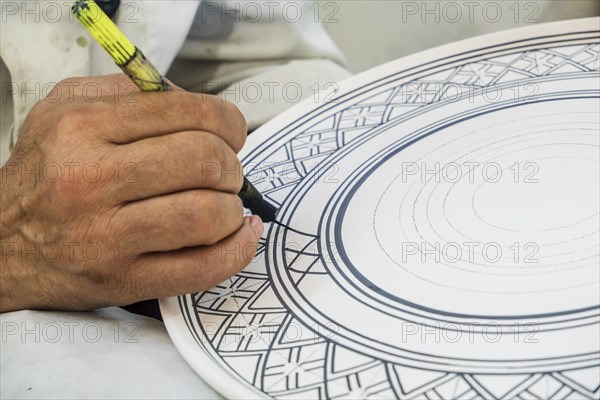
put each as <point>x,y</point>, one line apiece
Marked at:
<point>128,57</point>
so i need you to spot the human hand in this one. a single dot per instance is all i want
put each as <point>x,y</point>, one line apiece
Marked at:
<point>123,197</point>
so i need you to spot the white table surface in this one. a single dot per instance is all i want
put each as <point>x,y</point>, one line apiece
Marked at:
<point>109,353</point>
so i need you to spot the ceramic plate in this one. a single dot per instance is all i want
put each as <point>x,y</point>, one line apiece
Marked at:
<point>437,235</point>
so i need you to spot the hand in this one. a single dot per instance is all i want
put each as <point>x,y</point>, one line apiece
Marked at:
<point>111,199</point>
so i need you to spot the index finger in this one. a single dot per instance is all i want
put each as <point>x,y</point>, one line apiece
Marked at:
<point>149,114</point>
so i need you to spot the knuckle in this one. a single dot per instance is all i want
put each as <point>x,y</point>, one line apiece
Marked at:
<point>187,209</point>
<point>212,221</point>
<point>70,81</point>
<point>237,210</point>
<point>242,124</point>
<point>231,212</point>
<point>112,281</point>
<point>211,147</point>
<point>67,83</point>
<point>219,117</point>
<point>237,176</point>
<point>211,159</point>
<point>110,266</point>
<point>221,216</point>
<point>100,277</point>
<point>31,202</point>
<point>64,90</point>
<point>200,104</point>
<point>73,120</point>
<point>41,107</point>
<point>96,272</point>
<point>218,164</point>
<point>66,192</point>
<point>197,215</point>
<point>238,125</point>
<point>65,196</point>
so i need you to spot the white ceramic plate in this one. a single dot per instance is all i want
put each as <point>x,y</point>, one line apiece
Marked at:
<point>437,238</point>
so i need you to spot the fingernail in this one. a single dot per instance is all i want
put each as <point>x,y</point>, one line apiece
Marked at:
<point>257,225</point>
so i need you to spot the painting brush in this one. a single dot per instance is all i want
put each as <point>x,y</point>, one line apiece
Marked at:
<point>141,71</point>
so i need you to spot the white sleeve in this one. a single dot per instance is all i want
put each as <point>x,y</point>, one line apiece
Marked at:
<point>264,56</point>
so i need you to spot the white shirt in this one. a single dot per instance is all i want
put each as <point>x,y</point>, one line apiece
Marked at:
<point>234,47</point>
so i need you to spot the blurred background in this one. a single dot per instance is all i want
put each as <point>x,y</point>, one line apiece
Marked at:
<point>371,32</point>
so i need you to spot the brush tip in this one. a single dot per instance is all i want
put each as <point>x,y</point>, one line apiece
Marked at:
<point>265,210</point>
